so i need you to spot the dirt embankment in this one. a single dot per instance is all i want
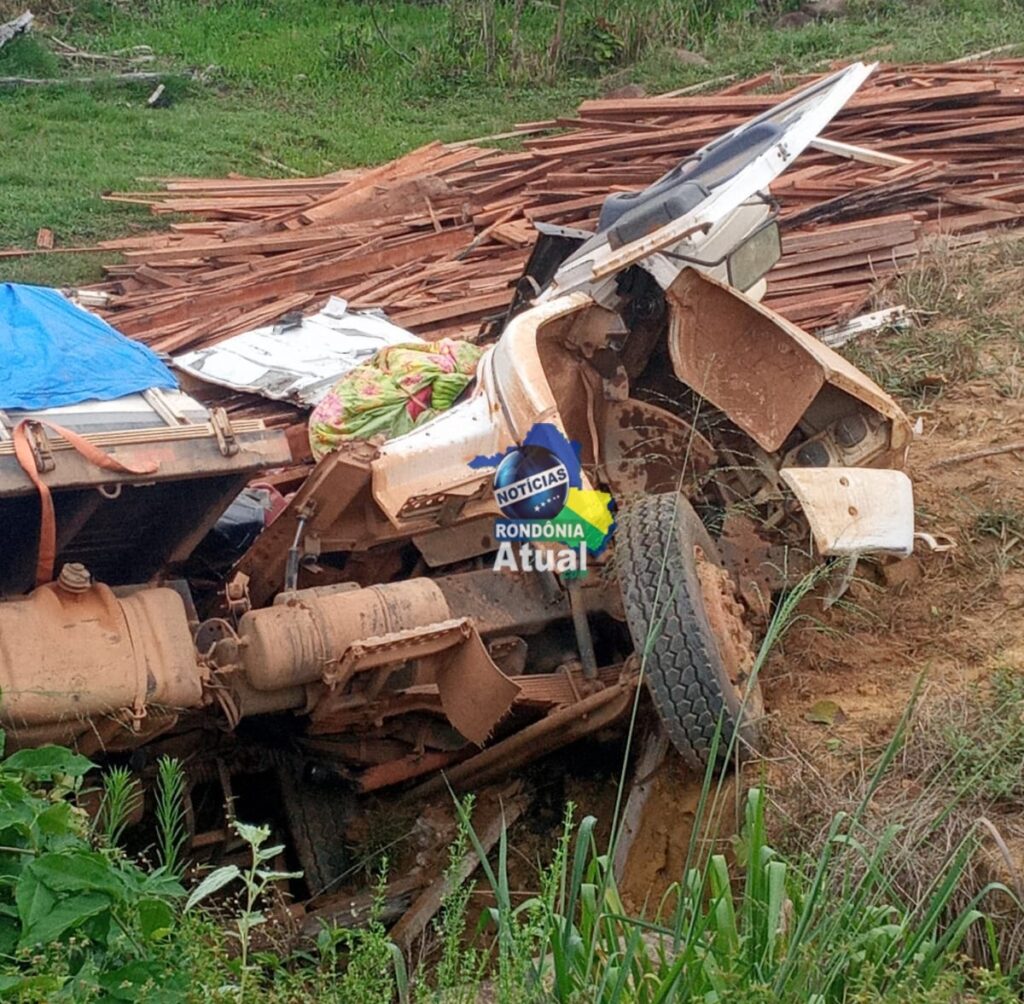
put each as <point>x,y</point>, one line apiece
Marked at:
<point>955,616</point>
<point>837,685</point>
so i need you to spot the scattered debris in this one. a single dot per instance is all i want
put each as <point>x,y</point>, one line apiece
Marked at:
<point>891,317</point>
<point>412,924</point>
<point>133,77</point>
<point>298,358</point>
<point>44,238</point>
<point>703,85</point>
<point>859,153</point>
<point>560,727</point>
<point>938,543</point>
<point>999,50</point>
<point>352,910</point>
<point>121,58</point>
<point>271,162</point>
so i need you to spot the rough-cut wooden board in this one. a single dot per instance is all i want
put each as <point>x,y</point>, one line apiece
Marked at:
<point>752,104</point>
<point>414,921</point>
<point>652,754</point>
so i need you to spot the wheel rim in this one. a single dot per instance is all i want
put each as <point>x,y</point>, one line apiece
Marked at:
<point>734,639</point>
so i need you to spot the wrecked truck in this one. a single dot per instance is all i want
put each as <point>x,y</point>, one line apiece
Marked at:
<point>368,640</point>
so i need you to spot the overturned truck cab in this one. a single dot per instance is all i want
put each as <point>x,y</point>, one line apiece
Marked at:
<point>368,638</point>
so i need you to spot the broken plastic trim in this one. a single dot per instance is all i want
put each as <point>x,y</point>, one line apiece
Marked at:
<point>855,510</point>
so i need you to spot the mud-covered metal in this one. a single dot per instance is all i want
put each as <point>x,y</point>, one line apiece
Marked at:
<point>391,637</point>
<point>557,729</point>
<point>734,639</point>
<point>684,211</point>
<point>759,369</point>
<point>127,526</point>
<point>305,636</point>
<point>649,449</point>
<point>72,652</point>
<point>364,639</point>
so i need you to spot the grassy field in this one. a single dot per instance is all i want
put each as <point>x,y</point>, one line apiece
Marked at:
<point>268,87</point>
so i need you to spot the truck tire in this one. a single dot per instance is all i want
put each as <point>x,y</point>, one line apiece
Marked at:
<point>700,657</point>
<point>316,815</point>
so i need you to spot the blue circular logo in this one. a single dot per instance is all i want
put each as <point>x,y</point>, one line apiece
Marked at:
<point>531,483</point>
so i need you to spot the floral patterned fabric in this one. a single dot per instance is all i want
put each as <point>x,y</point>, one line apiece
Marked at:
<point>399,388</point>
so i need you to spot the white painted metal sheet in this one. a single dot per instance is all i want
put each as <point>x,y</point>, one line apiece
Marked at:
<point>296,363</point>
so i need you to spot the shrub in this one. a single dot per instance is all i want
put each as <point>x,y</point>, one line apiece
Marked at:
<point>75,914</point>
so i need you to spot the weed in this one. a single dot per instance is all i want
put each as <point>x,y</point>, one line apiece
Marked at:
<point>121,797</point>
<point>993,537</point>
<point>170,813</point>
<point>350,47</point>
<point>781,932</point>
<point>460,969</point>
<point>1009,382</point>
<point>75,919</point>
<point>944,798</point>
<point>255,881</point>
<point>981,735</point>
<point>965,323</point>
<point>842,924</point>
<point>1005,526</point>
<point>375,972</point>
<point>29,58</point>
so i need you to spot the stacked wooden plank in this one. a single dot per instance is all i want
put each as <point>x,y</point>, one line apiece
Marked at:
<point>437,237</point>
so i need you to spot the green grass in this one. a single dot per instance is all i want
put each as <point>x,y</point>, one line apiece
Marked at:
<point>984,738</point>
<point>317,85</point>
<point>967,324</point>
<point>754,926</point>
<point>958,780</point>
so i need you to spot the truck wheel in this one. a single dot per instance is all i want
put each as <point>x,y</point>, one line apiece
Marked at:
<point>316,815</point>
<point>700,657</point>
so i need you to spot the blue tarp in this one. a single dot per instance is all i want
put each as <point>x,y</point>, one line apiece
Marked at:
<point>53,353</point>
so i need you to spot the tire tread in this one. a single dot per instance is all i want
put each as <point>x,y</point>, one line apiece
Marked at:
<point>682,670</point>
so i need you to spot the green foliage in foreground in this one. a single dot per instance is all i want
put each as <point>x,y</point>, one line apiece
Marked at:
<point>81,923</point>
<point>78,920</point>
<point>768,929</point>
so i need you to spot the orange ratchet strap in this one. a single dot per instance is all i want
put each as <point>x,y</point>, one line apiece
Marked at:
<point>47,519</point>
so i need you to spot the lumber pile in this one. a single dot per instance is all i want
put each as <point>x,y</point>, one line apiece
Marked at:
<point>438,236</point>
